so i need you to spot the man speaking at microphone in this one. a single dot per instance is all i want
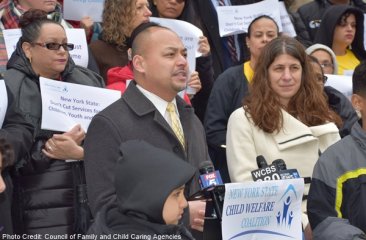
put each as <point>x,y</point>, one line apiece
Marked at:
<point>149,110</point>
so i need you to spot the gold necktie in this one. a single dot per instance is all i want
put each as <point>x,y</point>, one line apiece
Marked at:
<point>176,127</point>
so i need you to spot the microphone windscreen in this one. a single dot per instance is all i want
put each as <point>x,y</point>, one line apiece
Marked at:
<point>206,167</point>
<point>280,163</point>
<point>261,161</point>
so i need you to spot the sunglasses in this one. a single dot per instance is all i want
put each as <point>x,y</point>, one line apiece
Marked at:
<point>56,46</point>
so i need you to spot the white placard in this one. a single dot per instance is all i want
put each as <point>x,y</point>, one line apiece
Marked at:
<point>189,35</point>
<point>287,26</point>
<point>236,19</point>
<point>263,210</point>
<point>74,35</point>
<point>80,53</point>
<point>66,104</point>
<point>11,37</point>
<point>3,102</point>
<point>186,31</point>
<point>342,83</point>
<point>77,9</point>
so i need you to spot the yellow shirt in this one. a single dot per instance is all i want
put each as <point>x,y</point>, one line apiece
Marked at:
<point>347,62</point>
<point>248,71</point>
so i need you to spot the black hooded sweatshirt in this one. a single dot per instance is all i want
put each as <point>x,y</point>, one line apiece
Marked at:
<point>144,178</point>
<point>329,23</point>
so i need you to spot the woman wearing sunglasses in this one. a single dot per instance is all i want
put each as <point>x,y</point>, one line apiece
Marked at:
<point>45,184</point>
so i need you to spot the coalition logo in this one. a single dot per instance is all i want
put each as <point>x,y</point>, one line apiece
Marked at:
<point>64,89</point>
<point>284,217</point>
<point>54,88</point>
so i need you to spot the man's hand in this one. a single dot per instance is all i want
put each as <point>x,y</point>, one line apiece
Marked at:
<point>197,214</point>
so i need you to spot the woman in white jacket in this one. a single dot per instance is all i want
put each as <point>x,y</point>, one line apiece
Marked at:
<point>285,116</point>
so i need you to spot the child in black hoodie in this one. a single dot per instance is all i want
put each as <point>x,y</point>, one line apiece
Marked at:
<point>150,201</point>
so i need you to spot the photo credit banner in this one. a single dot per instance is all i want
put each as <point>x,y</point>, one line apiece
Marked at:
<point>66,104</point>
<point>263,210</point>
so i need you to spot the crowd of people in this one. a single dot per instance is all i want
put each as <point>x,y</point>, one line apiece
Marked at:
<point>257,93</point>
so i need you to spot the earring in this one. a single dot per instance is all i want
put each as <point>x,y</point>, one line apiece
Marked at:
<point>30,60</point>
<point>358,111</point>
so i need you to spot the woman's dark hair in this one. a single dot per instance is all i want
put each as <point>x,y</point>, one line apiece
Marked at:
<point>7,153</point>
<point>258,18</point>
<point>308,105</point>
<point>31,23</point>
<point>359,79</point>
<point>189,13</point>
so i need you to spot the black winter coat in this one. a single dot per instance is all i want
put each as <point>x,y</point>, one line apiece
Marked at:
<point>341,105</point>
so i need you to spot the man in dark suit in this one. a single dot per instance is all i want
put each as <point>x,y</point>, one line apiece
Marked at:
<point>160,71</point>
<point>219,46</point>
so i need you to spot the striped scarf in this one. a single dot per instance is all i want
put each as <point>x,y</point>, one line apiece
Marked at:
<point>11,12</point>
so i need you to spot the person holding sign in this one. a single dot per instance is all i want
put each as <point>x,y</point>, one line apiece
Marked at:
<point>230,88</point>
<point>10,13</point>
<point>183,10</point>
<point>150,109</point>
<point>139,175</point>
<point>120,18</point>
<point>47,186</point>
<point>285,116</point>
<point>342,30</point>
<point>336,200</point>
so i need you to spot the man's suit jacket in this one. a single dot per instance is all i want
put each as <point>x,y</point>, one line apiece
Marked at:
<point>135,117</point>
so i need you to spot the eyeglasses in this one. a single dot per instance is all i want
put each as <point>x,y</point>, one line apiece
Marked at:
<point>322,79</point>
<point>56,46</point>
<point>326,65</point>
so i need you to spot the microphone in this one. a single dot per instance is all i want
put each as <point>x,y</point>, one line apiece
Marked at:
<point>284,172</point>
<point>209,177</point>
<point>265,172</point>
<point>261,162</point>
<point>280,163</point>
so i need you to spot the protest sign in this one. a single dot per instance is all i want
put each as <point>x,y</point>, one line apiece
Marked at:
<point>263,210</point>
<point>287,26</point>
<point>80,52</point>
<point>66,104</point>
<point>3,102</point>
<point>236,19</point>
<point>77,9</point>
<point>74,35</point>
<point>342,83</point>
<point>11,37</point>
